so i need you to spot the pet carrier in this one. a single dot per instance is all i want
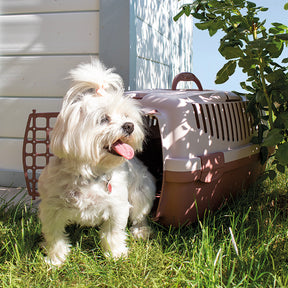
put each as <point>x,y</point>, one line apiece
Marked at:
<point>197,147</point>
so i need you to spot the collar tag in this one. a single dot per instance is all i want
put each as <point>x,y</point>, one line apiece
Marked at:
<point>109,187</point>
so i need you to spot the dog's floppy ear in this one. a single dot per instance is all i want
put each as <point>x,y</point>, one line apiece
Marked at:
<point>64,133</point>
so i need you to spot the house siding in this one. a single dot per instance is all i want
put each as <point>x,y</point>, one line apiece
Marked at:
<point>148,48</point>
<point>170,43</point>
<point>40,41</point>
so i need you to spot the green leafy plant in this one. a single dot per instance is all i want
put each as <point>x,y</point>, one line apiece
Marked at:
<point>249,45</point>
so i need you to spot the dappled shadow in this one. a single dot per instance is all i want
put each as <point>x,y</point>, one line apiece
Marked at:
<point>163,47</point>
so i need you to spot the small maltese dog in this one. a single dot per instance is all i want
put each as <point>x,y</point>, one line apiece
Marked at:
<point>94,178</point>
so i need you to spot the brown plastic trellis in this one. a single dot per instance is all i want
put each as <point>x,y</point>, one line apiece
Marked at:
<point>36,134</point>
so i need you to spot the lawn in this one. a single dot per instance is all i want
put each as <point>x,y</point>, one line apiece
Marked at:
<point>244,244</point>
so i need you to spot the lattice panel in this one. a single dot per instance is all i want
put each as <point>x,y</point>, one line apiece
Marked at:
<point>36,151</point>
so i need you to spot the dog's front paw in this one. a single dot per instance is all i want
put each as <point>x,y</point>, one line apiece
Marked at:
<point>120,252</point>
<point>55,261</point>
<point>57,253</point>
<point>141,231</point>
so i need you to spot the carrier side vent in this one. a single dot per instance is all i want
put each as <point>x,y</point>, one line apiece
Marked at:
<point>227,121</point>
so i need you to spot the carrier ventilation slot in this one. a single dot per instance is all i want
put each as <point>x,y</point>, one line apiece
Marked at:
<point>151,121</point>
<point>226,121</point>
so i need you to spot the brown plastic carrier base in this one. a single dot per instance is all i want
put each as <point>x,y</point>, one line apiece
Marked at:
<point>189,195</point>
<point>198,147</point>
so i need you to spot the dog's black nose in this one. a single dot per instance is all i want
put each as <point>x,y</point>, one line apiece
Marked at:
<point>128,127</point>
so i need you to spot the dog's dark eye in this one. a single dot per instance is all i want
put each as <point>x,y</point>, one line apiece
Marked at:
<point>105,119</point>
<point>89,91</point>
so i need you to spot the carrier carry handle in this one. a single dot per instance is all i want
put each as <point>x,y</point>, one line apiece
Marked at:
<point>186,76</point>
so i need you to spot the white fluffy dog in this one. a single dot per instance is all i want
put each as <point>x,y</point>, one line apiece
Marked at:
<point>93,180</point>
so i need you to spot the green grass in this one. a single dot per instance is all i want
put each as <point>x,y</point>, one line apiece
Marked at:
<point>200,255</point>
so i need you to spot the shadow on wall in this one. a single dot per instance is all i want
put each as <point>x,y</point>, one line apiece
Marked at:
<point>163,47</point>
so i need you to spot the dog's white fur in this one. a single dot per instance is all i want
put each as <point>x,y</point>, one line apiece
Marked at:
<point>84,182</point>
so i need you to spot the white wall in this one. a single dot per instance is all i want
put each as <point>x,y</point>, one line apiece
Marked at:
<point>163,47</point>
<point>143,42</point>
<point>40,41</point>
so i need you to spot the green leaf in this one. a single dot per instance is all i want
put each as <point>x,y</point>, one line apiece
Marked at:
<point>215,26</point>
<point>272,174</point>
<point>203,25</point>
<point>176,18</point>
<point>217,4</point>
<point>236,19</point>
<point>286,6</point>
<point>246,87</point>
<point>283,37</point>
<point>198,16</point>
<point>273,138</point>
<point>225,72</point>
<point>251,4</point>
<point>260,98</point>
<point>285,60</point>
<point>275,76</point>
<point>231,52</point>
<point>280,168</point>
<point>280,26</point>
<point>248,63</point>
<point>275,47</point>
<point>282,120</point>
<point>263,177</point>
<point>187,10</point>
<point>282,154</point>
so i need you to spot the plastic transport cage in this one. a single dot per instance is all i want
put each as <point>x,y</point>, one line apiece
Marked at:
<point>198,148</point>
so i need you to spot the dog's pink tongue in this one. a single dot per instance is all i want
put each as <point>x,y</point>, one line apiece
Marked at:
<point>123,149</point>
